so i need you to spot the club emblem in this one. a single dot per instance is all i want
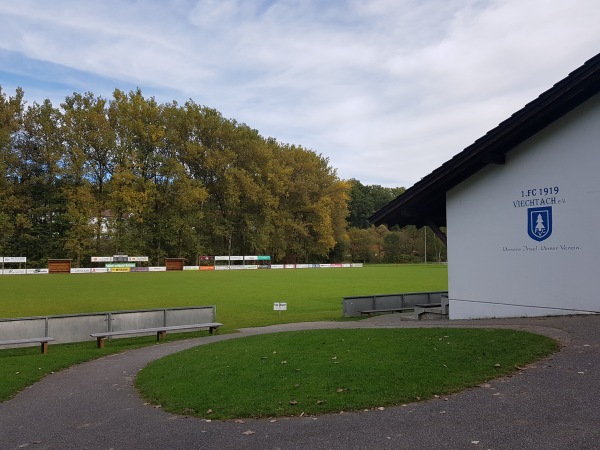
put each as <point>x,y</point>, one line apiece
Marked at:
<point>539,223</point>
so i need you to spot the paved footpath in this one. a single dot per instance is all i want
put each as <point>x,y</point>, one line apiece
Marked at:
<point>553,404</point>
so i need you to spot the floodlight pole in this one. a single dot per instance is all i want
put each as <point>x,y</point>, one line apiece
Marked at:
<point>425,229</point>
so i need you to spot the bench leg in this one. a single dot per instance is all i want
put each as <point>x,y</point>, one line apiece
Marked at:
<point>100,342</point>
<point>215,329</point>
<point>45,347</point>
<point>161,335</point>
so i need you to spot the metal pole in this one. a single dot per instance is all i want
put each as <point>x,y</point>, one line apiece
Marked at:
<point>425,228</point>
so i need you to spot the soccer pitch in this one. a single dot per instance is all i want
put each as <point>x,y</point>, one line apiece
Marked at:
<point>242,298</point>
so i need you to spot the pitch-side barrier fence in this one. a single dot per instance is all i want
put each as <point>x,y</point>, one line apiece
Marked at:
<point>352,306</point>
<point>78,327</point>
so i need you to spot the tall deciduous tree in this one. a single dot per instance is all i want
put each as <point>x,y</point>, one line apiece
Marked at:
<point>313,207</point>
<point>365,200</point>
<point>140,136</point>
<point>130,175</point>
<point>91,143</point>
<point>42,195</point>
<point>11,113</point>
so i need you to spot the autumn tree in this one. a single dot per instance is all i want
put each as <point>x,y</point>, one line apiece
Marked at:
<point>312,206</point>
<point>90,143</point>
<point>131,175</point>
<point>11,220</point>
<point>41,190</point>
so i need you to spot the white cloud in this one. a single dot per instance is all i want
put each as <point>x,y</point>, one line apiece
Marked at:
<point>387,89</point>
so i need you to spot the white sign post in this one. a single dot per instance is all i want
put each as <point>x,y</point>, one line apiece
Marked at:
<point>279,307</point>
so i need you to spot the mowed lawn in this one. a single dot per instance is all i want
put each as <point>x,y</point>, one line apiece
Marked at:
<point>242,298</point>
<point>300,380</point>
<point>324,371</point>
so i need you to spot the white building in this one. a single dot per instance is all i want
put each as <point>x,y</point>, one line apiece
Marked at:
<point>522,208</point>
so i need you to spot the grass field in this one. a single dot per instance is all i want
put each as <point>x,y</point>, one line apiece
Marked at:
<point>243,298</point>
<point>332,370</point>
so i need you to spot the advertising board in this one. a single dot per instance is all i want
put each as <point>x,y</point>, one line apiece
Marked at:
<point>102,258</point>
<point>13,272</point>
<point>37,271</point>
<point>15,259</point>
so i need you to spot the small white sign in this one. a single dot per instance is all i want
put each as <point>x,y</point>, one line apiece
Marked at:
<point>102,258</point>
<point>280,306</point>
<point>15,259</point>
<point>14,272</point>
<point>137,258</point>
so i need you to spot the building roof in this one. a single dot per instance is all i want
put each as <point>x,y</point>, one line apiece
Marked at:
<point>425,202</point>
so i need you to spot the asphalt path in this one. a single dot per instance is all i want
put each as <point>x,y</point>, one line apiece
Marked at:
<point>552,404</point>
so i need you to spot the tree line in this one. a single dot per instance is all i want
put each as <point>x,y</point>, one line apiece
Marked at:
<point>128,175</point>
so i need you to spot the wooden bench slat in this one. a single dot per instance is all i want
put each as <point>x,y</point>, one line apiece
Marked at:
<point>41,340</point>
<point>160,331</point>
<point>26,340</point>
<point>392,310</point>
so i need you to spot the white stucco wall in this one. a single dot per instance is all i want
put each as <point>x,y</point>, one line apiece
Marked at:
<point>495,268</point>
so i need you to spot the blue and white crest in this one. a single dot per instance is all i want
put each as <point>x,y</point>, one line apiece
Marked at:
<point>539,223</point>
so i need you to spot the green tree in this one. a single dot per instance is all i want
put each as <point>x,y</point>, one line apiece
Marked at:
<point>79,238</point>
<point>367,245</point>
<point>393,248</point>
<point>312,206</point>
<point>365,200</point>
<point>131,175</point>
<point>42,201</point>
<point>184,195</point>
<point>91,142</point>
<point>139,216</point>
<point>11,116</point>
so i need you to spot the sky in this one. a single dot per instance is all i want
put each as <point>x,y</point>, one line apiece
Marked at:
<point>387,90</point>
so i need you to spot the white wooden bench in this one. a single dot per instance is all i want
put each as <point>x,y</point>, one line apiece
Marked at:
<point>161,332</point>
<point>41,340</point>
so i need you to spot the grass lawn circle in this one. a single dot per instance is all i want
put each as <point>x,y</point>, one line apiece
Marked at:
<point>324,371</point>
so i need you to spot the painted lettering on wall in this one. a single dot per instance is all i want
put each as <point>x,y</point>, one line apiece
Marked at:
<point>542,248</point>
<point>537,220</point>
<point>534,197</point>
<point>540,191</point>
